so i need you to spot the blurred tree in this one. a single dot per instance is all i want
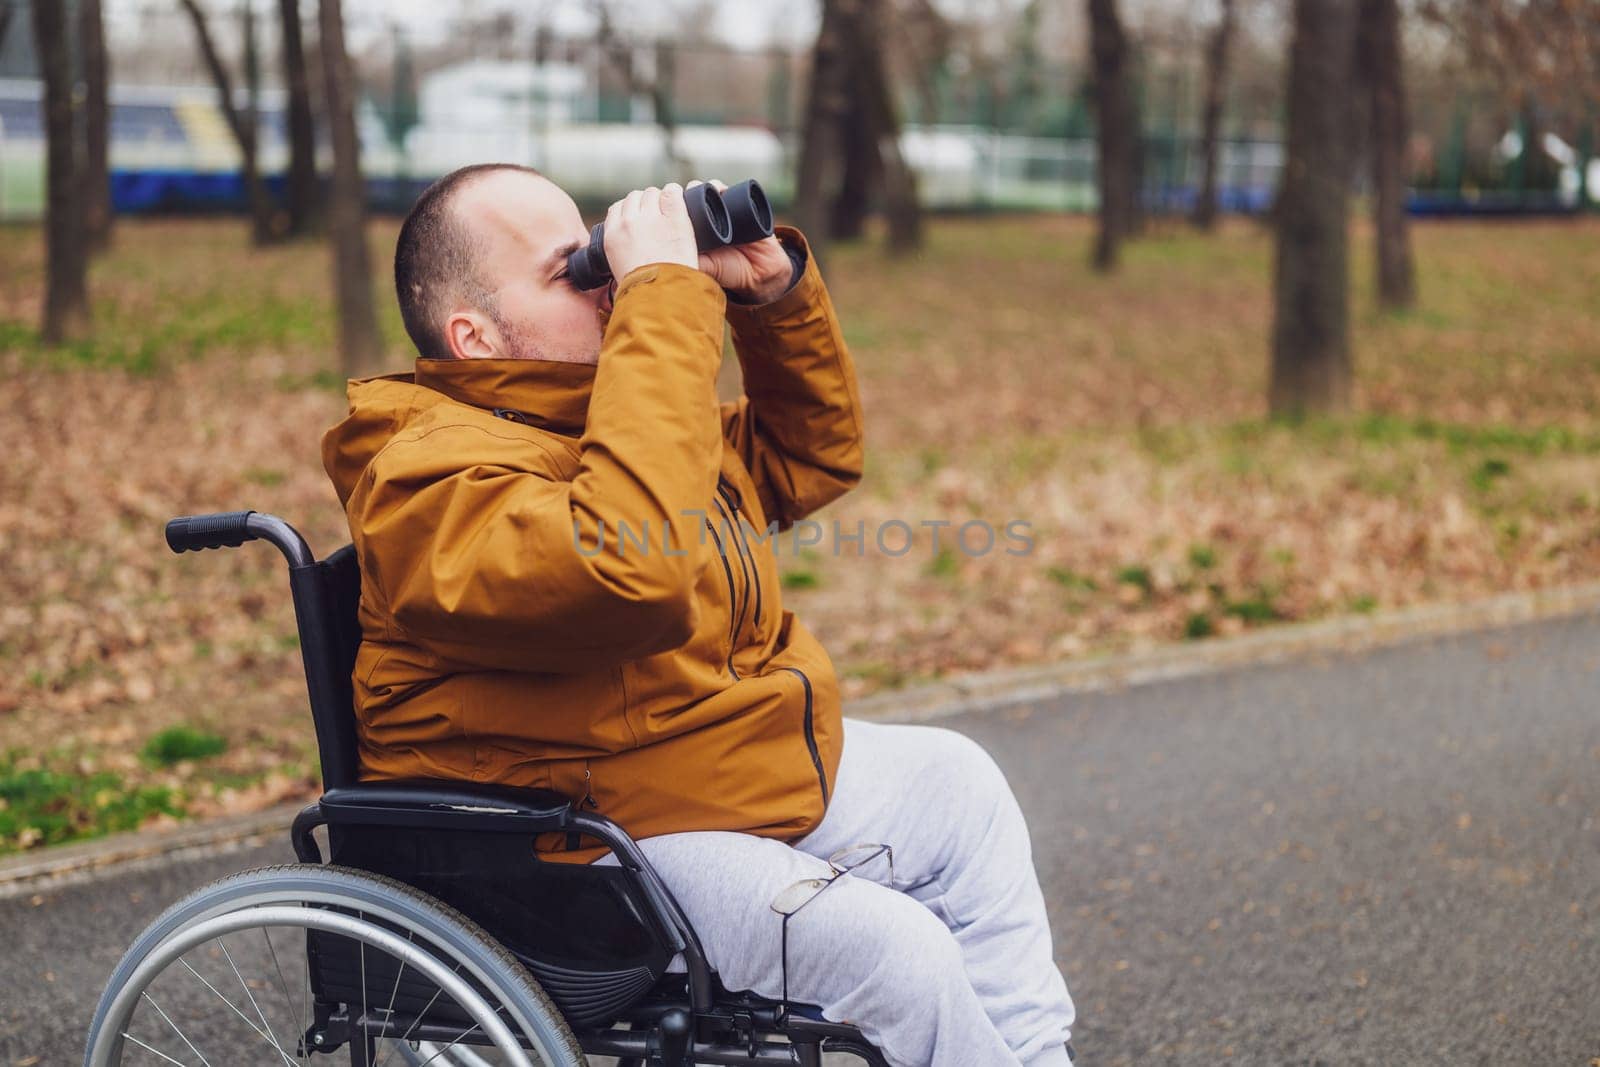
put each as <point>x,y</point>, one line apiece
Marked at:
<point>925,36</point>
<point>1116,131</point>
<point>302,178</point>
<point>1216,88</point>
<point>850,146</point>
<point>821,138</point>
<point>1546,48</point>
<point>1546,56</point>
<point>360,344</point>
<point>96,125</point>
<point>403,114</point>
<point>66,296</point>
<point>876,109</point>
<point>1024,96</point>
<point>251,55</point>
<point>1311,365</point>
<point>658,87</point>
<point>1379,55</point>
<point>241,124</point>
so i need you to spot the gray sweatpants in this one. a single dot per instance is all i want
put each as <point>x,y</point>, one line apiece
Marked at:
<point>950,965</point>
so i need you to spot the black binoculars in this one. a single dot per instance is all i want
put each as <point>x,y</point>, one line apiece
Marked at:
<point>735,217</point>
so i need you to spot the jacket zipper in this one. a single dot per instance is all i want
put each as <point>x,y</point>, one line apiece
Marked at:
<point>736,501</point>
<point>738,546</point>
<point>811,736</point>
<point>733,597</point>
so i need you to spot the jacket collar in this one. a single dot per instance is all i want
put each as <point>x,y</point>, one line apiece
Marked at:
<point>540,392</point>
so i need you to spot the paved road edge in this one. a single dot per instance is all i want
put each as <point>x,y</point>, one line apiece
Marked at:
<point>45,870</point>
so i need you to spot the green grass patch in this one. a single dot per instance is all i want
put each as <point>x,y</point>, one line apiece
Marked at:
<point>1198,625</point>
<point>1067,578</point>
<point>944,565</point>
<point>266,477</point>
<point>45,807</point>
<point>1136,574</point>
<point>1202,557</point>
<point>1253,609</point>
<point>176,744</point>
<point>798,579</point>
<point>1382,429</point>
<point>1485,474</point>
<point>327,381</point>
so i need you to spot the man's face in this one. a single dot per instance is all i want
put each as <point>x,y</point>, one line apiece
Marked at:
<point>526,226</point>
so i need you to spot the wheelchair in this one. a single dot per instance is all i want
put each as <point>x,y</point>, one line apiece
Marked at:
<point>433,934</point>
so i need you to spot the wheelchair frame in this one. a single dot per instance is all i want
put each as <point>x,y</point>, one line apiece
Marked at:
<point>674,1020</point>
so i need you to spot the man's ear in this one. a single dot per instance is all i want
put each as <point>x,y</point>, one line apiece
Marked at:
<point>470,335</point>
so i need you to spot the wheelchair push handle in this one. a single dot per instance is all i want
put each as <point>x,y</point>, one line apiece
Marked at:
<point>230,529</point>
<point>227,529</point>
<point>737,216</point>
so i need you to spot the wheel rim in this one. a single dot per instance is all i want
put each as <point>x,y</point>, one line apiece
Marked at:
<point>273,1024</point>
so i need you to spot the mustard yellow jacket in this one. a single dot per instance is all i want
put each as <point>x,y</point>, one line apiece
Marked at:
<point>513,628</point>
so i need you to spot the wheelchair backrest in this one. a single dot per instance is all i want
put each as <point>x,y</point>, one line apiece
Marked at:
<point>327,595</point>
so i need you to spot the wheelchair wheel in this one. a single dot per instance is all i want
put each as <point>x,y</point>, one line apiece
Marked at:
<point>276,965</point>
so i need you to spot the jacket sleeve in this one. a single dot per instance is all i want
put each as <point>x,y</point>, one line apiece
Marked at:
<point>498,566</point>
<point>798,425</point>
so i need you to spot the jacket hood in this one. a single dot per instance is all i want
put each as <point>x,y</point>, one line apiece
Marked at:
<point>551,395</point>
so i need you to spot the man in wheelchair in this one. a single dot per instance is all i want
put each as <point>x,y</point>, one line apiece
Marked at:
<point>566,584</point>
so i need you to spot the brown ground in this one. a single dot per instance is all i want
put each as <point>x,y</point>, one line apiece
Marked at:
<point>1122,419</point>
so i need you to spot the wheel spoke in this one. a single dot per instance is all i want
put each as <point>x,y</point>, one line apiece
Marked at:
<point>252,998</point>
<point>363,950</point>
<point>150,1009</point>
<point>388,1012</point>
<point>414,1022</point>
<point>283,986</point>
<point>235,1009</point>
<point>181,1035</point>
<point>451,1045</point>
<point>129,1037</point>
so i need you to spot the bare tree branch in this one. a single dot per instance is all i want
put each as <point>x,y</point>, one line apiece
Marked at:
<point>242,126</point>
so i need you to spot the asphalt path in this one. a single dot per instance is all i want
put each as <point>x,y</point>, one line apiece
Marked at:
<point>1384,858</point>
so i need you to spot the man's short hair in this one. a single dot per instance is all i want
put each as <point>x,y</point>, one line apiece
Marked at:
<point>437,259</point>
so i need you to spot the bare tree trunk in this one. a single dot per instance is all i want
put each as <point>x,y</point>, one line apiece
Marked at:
<point>861,168</point>
<point>96,125</point>
<point>1379,44</point>
<point>252,121</point>
<point>1311,364</point>
<point>852,134</point>
<point>360,344</point>
<point>1115,131</point>
<point>821,144</point>
<point>66,296</point>
<point>243,129</point>
<point>302,184</point>
<point>1216,85</point>
<point>874,97</point>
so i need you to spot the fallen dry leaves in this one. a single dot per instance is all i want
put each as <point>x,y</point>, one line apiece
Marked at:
<point>1120,418</point>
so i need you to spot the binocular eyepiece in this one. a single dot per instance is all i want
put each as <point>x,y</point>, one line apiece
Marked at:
<point>735,217</point>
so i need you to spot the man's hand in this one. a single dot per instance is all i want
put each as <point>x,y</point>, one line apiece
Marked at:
<point>649,226</point>
<point>756,273</point>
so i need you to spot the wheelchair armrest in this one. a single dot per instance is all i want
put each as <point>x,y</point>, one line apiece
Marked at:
<point>447,805</point>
